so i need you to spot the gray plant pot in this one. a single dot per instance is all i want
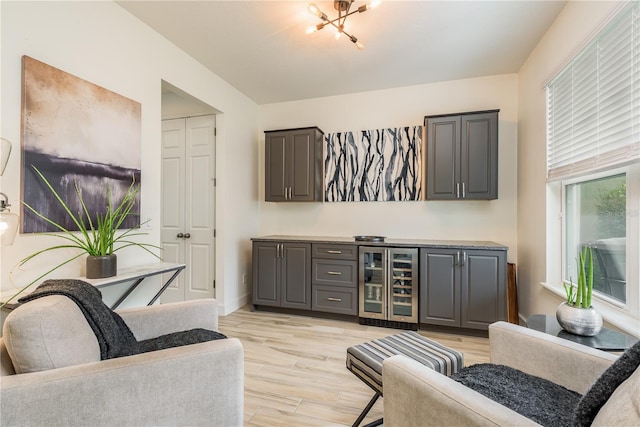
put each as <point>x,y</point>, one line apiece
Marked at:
<point>99,267</point>
<point>579,321</point>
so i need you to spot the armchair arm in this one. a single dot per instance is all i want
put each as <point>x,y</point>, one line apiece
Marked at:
<point>156,320</point>
<point>415,395</point>
<point>564,362</point>
<point>200,384</point>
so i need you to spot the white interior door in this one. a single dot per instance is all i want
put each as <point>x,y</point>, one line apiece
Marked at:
<point>188,205</point>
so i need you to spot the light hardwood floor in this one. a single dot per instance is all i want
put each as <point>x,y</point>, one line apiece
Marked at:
<point>295,371</point>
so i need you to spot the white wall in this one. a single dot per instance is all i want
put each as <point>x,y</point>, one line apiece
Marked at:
<point>454,220</point>
<point>102,43</point>
<point>574,25</point>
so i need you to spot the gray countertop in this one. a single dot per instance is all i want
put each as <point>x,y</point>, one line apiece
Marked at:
<point>463,244</point>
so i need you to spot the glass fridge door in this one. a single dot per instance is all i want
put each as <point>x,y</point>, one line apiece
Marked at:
<point>403,298</point>
<point>373,279</point>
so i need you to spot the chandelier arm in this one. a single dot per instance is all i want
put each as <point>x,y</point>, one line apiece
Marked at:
<point>332,22</point>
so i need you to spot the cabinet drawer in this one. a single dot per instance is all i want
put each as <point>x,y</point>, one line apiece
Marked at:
<point>334,273</point>
<point>333,299</point>
<point>334,251</point>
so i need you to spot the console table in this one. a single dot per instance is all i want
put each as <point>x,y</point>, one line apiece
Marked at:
<point>607,339</point>
<point>132,274</point>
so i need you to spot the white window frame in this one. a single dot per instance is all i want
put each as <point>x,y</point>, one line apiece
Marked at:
<point>625,316</point>
<point>580,158</point>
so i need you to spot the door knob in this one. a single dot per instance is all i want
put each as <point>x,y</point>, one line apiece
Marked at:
<point>187,235</point>
<point>180,235</point>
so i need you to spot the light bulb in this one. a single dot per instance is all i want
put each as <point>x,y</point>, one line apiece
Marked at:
<point>373,4</point>
<point>314,10</point>
<point>359,45</point>
<point>311,29</point>
<point>338,35</point>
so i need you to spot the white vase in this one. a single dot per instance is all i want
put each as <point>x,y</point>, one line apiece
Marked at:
<point>579,321</point>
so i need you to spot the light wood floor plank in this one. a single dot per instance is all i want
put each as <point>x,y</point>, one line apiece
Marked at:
<point>295,372</point>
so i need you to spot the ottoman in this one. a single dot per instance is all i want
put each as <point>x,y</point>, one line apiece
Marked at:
<point>365,361</point>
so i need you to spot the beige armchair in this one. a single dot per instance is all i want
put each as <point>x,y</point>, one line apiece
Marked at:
<point>417,396</point>
<point>64,382</point>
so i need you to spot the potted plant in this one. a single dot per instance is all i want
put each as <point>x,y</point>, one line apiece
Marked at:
<point>576,315</point>
<point>98,239</point>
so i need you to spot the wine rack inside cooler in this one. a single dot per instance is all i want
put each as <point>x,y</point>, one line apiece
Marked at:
<point>389,285</point>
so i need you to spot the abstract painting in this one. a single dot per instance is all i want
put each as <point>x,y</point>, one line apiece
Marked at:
<point>374,165</point>
<point>74,131</point>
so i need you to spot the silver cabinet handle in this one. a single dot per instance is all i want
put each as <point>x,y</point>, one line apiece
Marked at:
<point>464,258</point>
<point>334,273</point>
<point>179,235</point>
<point>464,195</point>
<point>457,190</point>
<point>290,193</point>
<point>329,251</point>
<point>334,299</point>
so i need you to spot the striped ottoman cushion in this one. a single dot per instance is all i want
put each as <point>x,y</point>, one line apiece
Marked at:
<point>365,360</point>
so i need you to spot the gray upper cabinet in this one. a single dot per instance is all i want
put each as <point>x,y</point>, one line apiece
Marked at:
<point>293,165</point>
<point>462,156</point>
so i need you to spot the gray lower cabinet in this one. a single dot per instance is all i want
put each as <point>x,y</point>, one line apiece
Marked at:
<point>334,278</point>
<point>293,165</point>
<point>462,156</point>
<point>462,288</point>
<point>281,275</point>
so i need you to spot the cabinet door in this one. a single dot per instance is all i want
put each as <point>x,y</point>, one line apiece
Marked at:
<point>275,186</point>
<point>479,156</point>
<point>373,283</point>
<point>439,287</point>
<point>403,288</point>
<point>443,157</point>
<point>483,288</point>
<point>266,273</point>
<point>296,275</point>
<point>300,164</point>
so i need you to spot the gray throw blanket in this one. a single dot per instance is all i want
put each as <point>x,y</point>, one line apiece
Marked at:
<point>114,336</point>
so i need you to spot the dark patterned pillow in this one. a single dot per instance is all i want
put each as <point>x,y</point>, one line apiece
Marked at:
<point>604,386</point>
<point>540,400</point>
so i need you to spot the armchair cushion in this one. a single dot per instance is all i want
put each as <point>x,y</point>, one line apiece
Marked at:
<point>606,385</point>
<point>536,398</point>
<point>113,335</point>
<point>38,336</point>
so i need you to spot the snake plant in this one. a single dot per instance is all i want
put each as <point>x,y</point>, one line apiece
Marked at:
<point>580,295</point>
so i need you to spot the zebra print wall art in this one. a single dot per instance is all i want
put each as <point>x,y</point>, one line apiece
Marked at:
<point>374,165</point>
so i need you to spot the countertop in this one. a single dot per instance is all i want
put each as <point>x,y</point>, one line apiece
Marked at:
<point>444,244</point>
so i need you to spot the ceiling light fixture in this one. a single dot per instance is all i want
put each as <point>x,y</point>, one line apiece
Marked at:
<point>343,7</point>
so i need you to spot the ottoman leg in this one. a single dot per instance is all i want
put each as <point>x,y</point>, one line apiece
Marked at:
<point>366,410</point>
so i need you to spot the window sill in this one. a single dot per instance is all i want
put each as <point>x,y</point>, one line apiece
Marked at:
<point>610,313</point>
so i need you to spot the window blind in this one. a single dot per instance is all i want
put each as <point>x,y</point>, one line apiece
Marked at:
<point>593,105</point>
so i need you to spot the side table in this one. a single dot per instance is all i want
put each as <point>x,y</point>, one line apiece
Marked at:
<point>607,339</point>
<point>132,274</point>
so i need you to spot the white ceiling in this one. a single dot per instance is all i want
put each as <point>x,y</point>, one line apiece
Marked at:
<point>260,47</point>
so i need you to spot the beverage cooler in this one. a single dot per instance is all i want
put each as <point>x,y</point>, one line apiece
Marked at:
<point>388,287</point>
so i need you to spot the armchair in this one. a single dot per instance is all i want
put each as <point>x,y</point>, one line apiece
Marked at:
<point>414,394</point>
<point>68,384</point>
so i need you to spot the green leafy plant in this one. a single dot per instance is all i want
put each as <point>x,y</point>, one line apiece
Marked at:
<point>579,296</point>
<point>95,238</point>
